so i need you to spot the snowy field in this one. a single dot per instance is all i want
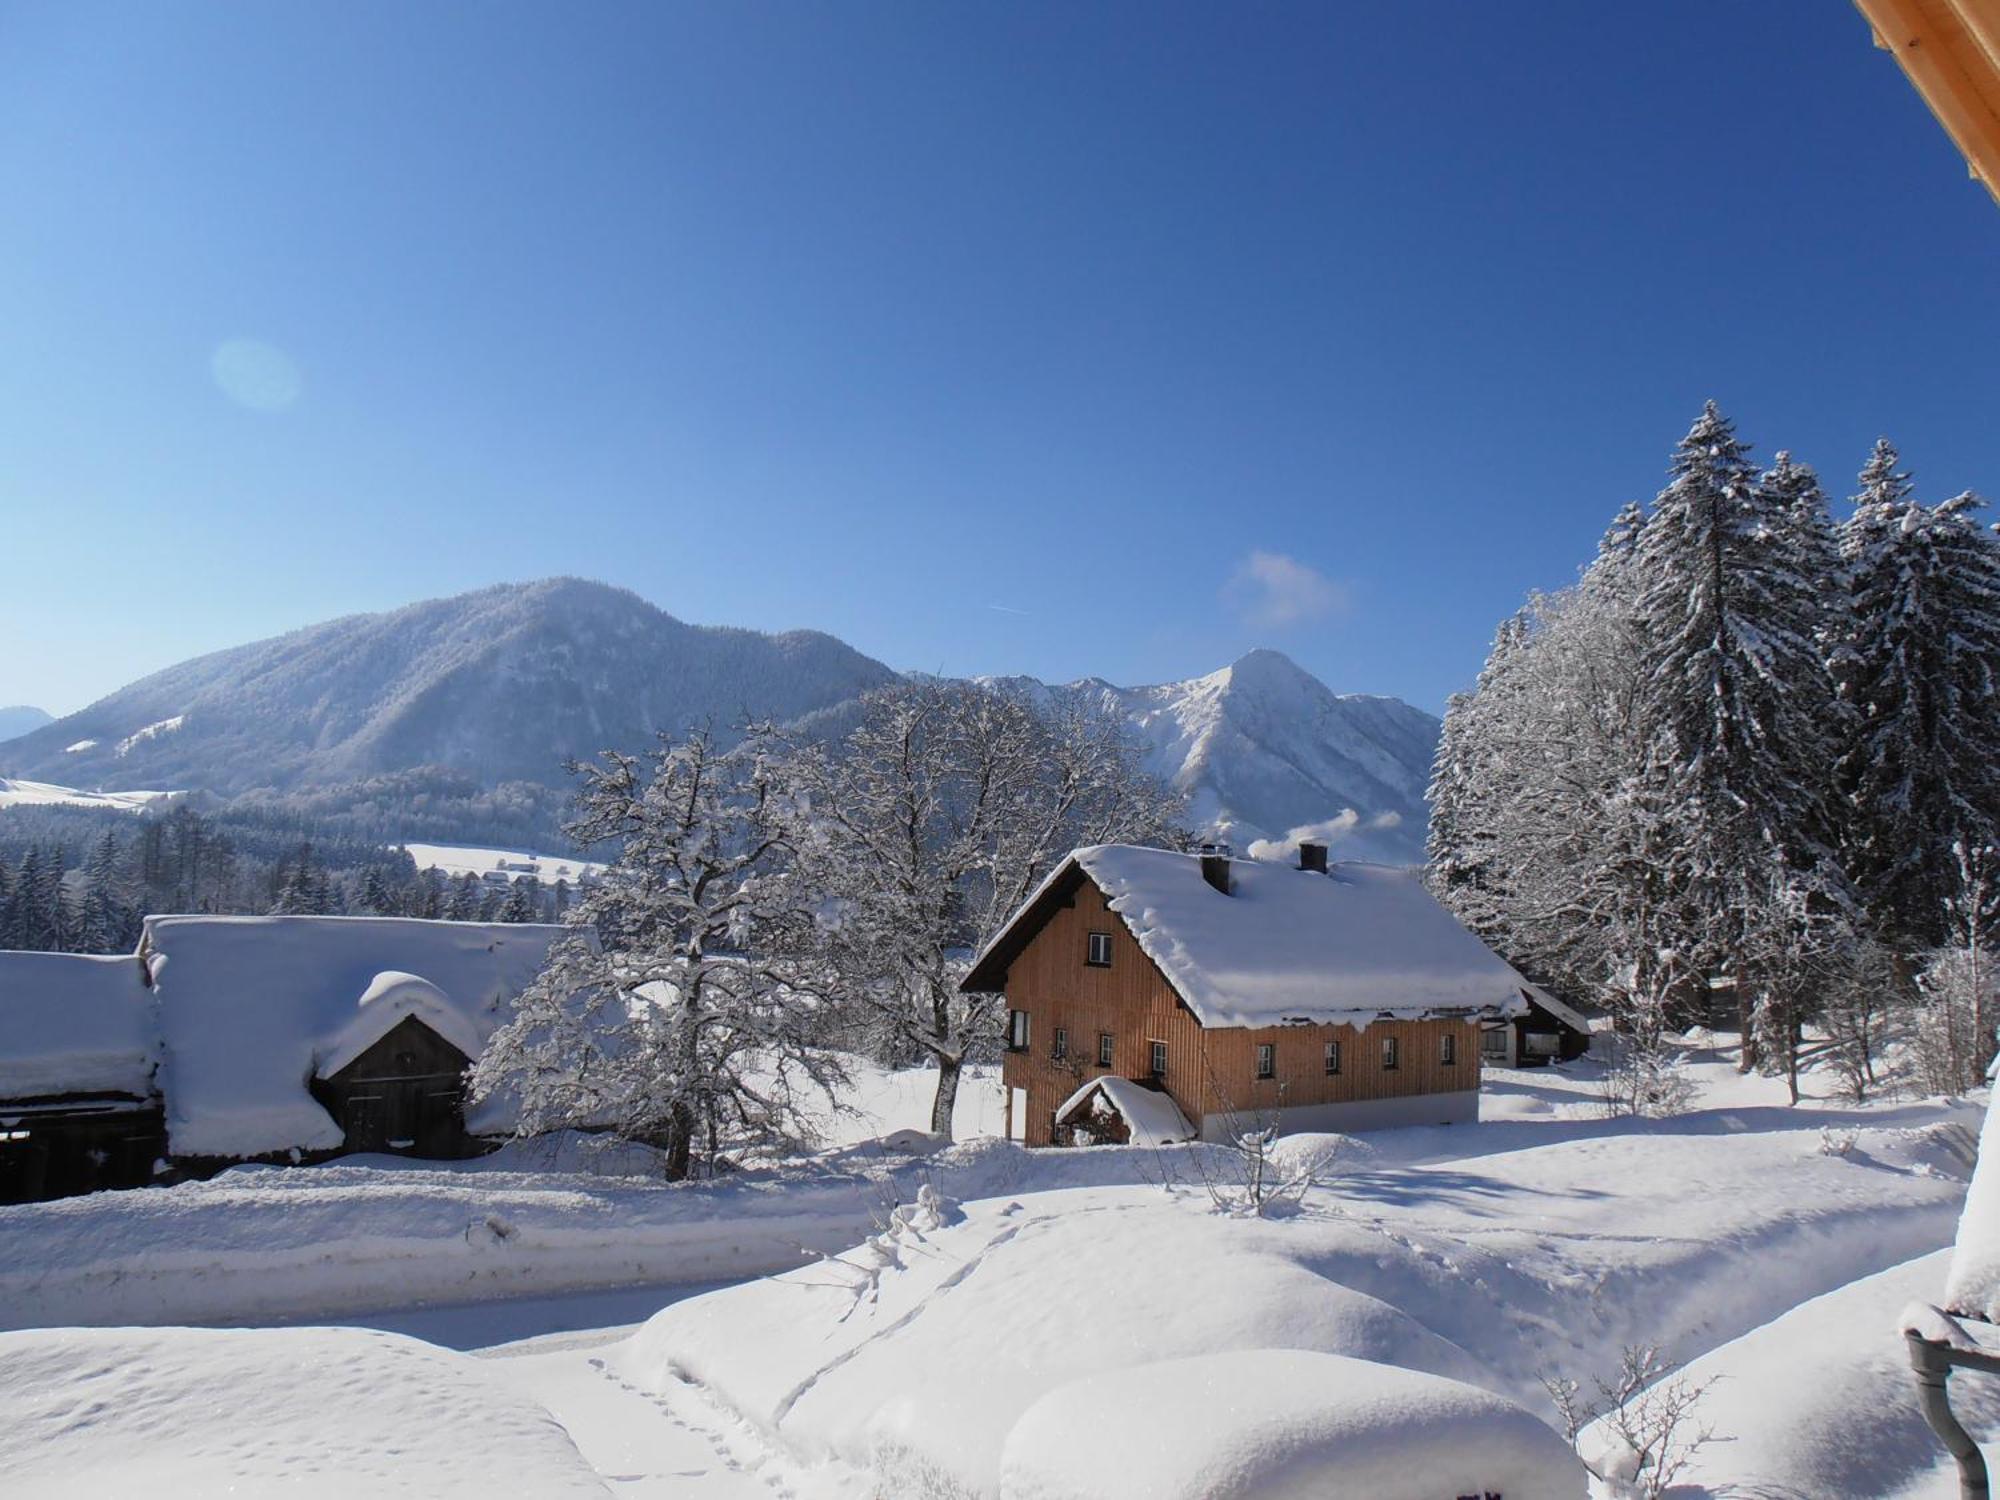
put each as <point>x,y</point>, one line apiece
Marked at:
<point>467,859</point>
<point>576,1324</point>
<point>15,793</point>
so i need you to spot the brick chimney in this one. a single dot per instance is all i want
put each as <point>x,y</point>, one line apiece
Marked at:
<point>1215,869</point>
<point>1313,857</point>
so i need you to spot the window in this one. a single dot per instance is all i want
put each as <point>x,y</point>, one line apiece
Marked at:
<point>1447,1049</point>
<point>1388,1053</point>
<point>1493,1041</point>
<point>1059,1049</point>
<point>1332,1058</point>
<point>1104,1049</point>
<point>1099,955</point>
<point>1267,1060</point>
<point>1017,1031</point>
<point>1159,1059</point>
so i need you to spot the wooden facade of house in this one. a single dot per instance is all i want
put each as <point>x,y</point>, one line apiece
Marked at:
<point>1086,1001</point>
<point>404,1095</point>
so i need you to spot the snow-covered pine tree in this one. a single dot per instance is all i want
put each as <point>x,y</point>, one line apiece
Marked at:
<point>1918,661</point>
<point>107,922</point>
<point>671,1013</point>
<point>375,898</point>
<point>466,896</point>
<point>1466,858</point>
<point>521,904</point>
<point>1733,713</point>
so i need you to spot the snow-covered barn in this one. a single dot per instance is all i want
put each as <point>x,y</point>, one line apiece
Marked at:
<point>228,1039</point>
<point>1307,997</point>
<point>325,1034</point>
<point>78,1053</point>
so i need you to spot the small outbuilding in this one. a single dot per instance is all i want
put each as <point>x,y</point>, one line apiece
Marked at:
<point>1548,1031</point>
<point>1110,1111</point>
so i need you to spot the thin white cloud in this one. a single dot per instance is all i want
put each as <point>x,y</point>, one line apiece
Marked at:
<point>1007,609</point>
<point>1273,591</point>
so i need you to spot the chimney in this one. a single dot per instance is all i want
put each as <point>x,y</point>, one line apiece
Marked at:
<point>1313,857</point>
<point>1215,870</point>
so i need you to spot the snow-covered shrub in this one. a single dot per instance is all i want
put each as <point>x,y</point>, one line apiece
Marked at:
<point>1951,1032</point>
<point>1639,1429</point>
<point>1643,1076</point>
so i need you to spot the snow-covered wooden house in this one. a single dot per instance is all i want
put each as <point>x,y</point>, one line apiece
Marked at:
<point>230,1039</point>
<point>1236,992</point>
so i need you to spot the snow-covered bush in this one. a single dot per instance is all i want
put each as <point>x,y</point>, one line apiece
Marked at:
<point>1639,1429</point>
<point>1254,1177</point>
<point>1643,1075</point>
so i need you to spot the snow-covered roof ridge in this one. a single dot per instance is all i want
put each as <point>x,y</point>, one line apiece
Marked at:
<point>1560,1009</point>
<point>75,1023</point>
<point>391,996</point>
<point>1286,945</point>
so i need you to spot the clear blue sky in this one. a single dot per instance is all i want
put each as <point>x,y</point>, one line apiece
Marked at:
<point>1055,338</point>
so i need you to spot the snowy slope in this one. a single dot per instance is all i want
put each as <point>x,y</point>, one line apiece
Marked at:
<point>468,859</point>
<point>185,1413</point>
<point>47,794</point>
<point>1263,747</point>
<point>502,684</point>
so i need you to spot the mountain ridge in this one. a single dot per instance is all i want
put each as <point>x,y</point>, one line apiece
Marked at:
<point>503,684</point>
<point>17,719</point>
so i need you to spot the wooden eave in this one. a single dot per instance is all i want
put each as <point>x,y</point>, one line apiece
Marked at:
<point>1950,50</point>
<point>989,975</point>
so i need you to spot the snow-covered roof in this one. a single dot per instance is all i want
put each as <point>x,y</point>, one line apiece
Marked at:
<point>73,1023</point>
<point>1566,1014</point>
<point>1151,1116</point>
<point>390,997</point>
<point>1285,945</point>
<point>252,1008</point>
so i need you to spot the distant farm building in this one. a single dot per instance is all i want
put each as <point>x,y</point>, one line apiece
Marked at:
<point>1548,1031</point>
<point>1238,992</point>
<point>232,1039</point>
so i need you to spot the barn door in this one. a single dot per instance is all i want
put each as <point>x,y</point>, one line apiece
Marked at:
<point>440,1106</point>
<point>365,1120</point>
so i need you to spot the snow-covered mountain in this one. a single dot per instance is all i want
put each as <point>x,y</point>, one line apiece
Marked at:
<point>19,718</point>
<point>1263,748</point>
<point>503,684</point>
<point>507,683</point>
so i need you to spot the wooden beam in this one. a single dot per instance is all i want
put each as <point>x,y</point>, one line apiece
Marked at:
<point>1950,50</point>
